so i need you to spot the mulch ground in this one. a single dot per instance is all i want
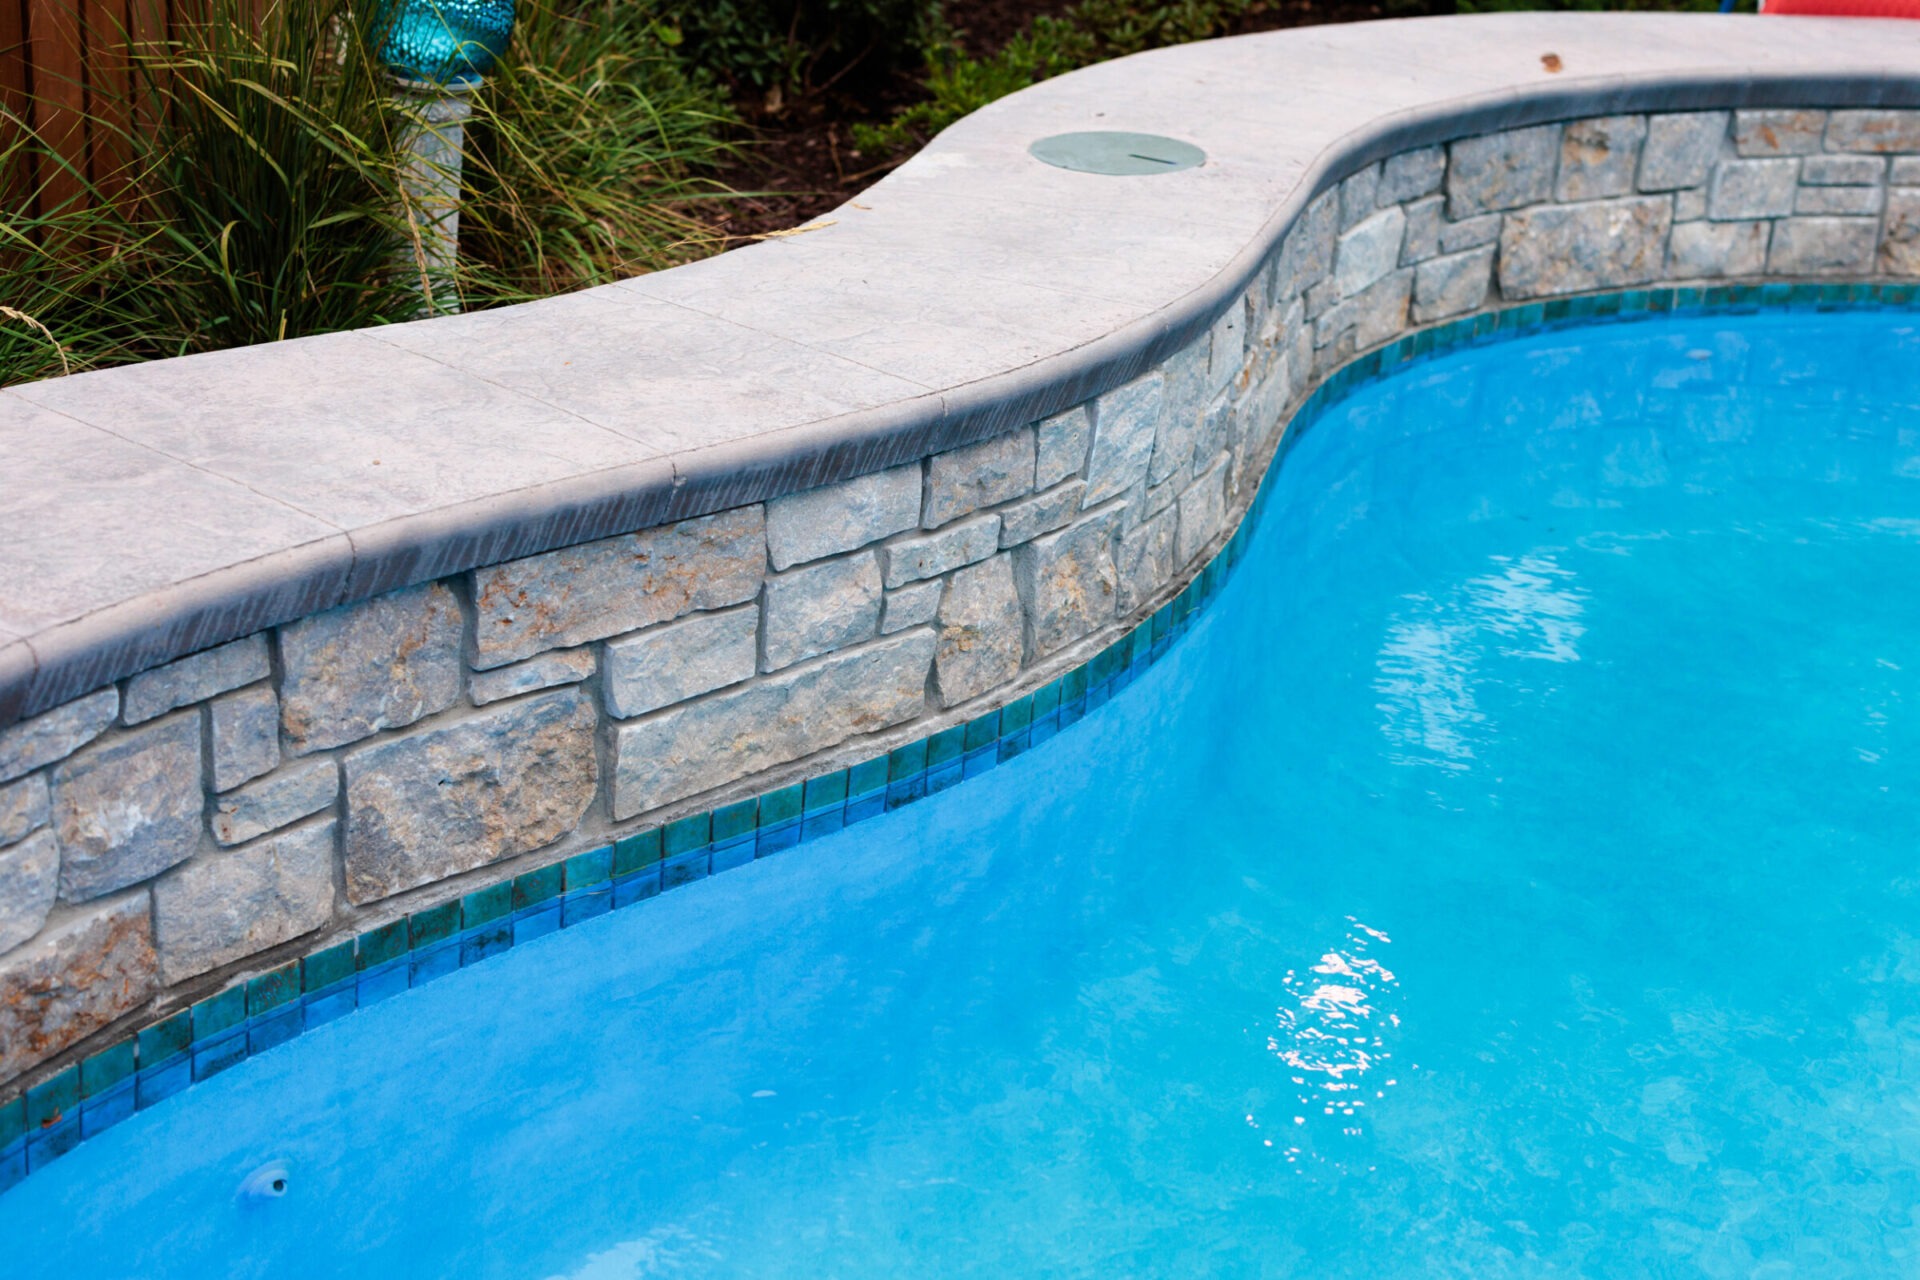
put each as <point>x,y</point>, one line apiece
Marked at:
<point>798,159</point>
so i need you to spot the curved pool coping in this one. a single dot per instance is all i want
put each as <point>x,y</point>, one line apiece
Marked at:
<point>155,510</point>
<point>161,1056</point>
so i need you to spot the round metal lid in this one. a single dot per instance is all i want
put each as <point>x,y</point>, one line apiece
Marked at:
<point>1105,151</point>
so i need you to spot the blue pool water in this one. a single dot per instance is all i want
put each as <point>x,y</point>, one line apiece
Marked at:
<point>1515,873</point>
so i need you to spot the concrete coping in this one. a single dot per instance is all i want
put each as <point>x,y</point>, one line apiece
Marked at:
<point>154,510</point>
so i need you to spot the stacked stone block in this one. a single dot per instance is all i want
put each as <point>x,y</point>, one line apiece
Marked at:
<point>208,816</point>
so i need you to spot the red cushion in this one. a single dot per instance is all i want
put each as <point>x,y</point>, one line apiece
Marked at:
<point>1845,8</point>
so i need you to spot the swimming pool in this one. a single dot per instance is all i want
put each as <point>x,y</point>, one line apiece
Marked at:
<point>1510,874</point>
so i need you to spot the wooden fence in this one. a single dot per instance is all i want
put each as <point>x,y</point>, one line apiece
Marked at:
<point>64,72</point>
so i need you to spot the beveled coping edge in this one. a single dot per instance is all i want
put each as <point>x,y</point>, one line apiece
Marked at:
<point>71,659</point>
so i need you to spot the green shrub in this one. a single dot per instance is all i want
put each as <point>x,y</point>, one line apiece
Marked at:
<point>789,46</point>
<point>268,191</point>
<point>583,155</point>
<point>1091,31</point>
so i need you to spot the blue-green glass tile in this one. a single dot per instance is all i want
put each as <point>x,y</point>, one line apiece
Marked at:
<point>106,1068</point>
<point>1046,700</point>
<point>484,906</point>
<point>50,1101</point>
<point>732,821</point>
<point>595,866</point>
<point>982,730</point>
<point>219,1013</point>
<point>1776,293</point>
<point>433,925</point>
<point>1073,685</point>
<point>165,1038</point>
<point>229,1050</point>
<point>321,969</point>
<point>905,762</point>
<point>695,831</point>
<point>946,746</point>
<point>1139,642</point>
<point>1016,715</point>
<point>273,988</point>
<point>826,792</point>
<point>536,887</point>
<point>905,792</point>
<point>782,806</point>
<point>867,777</point>
<point>685,868</point>
<point>636,852</point>
<point>277,1029</point>
<point>1101,669</point>
<point>13,1122</point>
<point>377,946</point>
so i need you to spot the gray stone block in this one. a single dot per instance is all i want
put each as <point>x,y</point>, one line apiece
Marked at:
<point>1854,201</point>
<point>913,605</point>
<point>1843,171</point>
<point>979,640</point>
<point>1743,189</point>
<point>1368,251</point>
<point>1062,442</point>
<point>1680,149</point>
<point>127,808</point>
<point>440,801</point>
<point>275,801</point>
<point>679,660</point>
<point>195,679</point>
<point>1126,422</point>
<point>74,979</point>
<point>547,671</point>
<point>1372,316</point>
<point>1709,250</point>
<point>842,517</point>
<point>1456,237</point>
<point>1690,204</point>
<point>1900,244</point>
<point>1322,298</point>
<point>1188,387</point>
<point>1599,156</point>
<point>29,875</point>
<point>1876,132</point>
<point>1906,171</point>
<point>1306,252</point>
<point>598,589</point>
<point>1421,239</point>
<point>942,551</point>
<point>1453,285</point>
<point>1226,348</point>
<point>1412,174</point>
<point>820,608</point>
<point>23,808</point>
<point>1359,195</point>
<point>699,746</point>
<point>243,736</point>
<point>1501,170</point>
<point>56,734</point>
<point>380,664</point>
<point>1575,248</point>
<point>1068,582</point>
<point>1203,513</point>
<point>1776,132</point>
<point>1145,560</point>
<point>1042,513</point>
<point>961,481</point>
<point>1822,246</point>
<point>223,907</point>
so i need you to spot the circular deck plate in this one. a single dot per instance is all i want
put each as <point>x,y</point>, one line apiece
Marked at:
<point>1117,153</point>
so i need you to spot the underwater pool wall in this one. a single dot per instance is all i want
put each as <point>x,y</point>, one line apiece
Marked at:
<point>227,812</point>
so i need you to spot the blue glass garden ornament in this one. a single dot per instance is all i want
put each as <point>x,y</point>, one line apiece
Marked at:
<point>443,41</point>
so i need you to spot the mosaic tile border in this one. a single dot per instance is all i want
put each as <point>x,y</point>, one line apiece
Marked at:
<point>253,1015</point>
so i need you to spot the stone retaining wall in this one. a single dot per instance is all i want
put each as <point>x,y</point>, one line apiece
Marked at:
<point>165,836</point>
